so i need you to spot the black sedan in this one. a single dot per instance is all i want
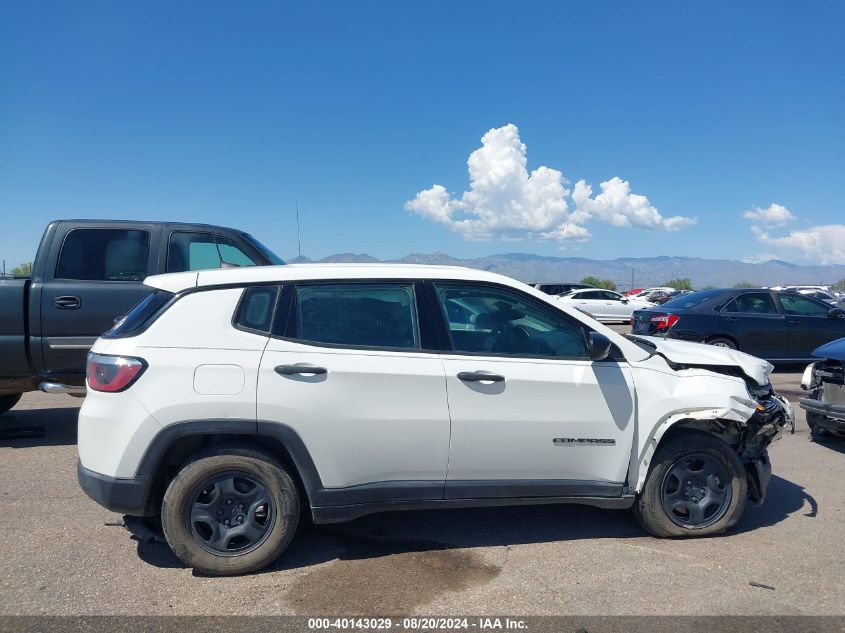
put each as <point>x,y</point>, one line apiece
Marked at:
<point>777,326</point>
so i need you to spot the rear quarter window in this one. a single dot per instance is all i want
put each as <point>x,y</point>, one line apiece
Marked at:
<point>141,316</point>
<point>256,307</point>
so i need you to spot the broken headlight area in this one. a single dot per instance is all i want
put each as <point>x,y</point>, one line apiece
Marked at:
<point>765,425</point>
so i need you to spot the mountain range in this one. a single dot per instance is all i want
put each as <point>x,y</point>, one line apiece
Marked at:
<point>645,271</point>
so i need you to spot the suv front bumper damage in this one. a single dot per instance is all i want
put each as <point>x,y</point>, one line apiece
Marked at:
<point>765,426</point>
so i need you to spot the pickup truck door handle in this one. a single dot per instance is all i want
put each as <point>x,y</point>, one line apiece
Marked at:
<point>67,302</point>
<point>300,370</point>
<point>480,376</point>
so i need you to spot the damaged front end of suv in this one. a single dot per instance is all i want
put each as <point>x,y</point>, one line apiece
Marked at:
<point>825,383</point>
<point>747,416</point>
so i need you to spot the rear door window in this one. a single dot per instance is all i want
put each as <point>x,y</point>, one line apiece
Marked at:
<point>592,294</point>
<point>380,315</point>
<point>104,255</point>
<point>752,303</point>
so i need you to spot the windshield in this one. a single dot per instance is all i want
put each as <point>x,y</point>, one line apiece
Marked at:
<point>687,301</point>
<point>275,259</point>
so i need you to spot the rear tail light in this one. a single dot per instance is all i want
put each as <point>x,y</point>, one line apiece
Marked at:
<point>113,373</point>
<point>665,321</point>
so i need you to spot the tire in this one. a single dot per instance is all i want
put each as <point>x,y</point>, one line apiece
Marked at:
<point>664,491</point>
<point>8,401</point>
<point>229,484</point>
<point>723,342</point>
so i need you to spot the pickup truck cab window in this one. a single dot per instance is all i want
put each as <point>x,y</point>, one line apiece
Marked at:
<point>382,315</point>
<point>489,320</point>
<point>104,255</point>
<point>203,251</point>
<point>752,303</point>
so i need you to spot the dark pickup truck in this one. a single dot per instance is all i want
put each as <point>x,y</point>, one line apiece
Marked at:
<point>86,274</point>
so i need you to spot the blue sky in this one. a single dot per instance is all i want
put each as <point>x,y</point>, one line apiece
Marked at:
<point>230,113</point>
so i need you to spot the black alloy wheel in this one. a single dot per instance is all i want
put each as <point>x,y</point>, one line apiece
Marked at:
<point>231,514</point>
<point>696,491</point>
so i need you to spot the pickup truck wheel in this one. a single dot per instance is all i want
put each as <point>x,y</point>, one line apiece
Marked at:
<point>9,401</point>
<point>230,511</point>
<point>696,486</point>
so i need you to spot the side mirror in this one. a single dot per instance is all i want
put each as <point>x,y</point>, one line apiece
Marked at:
<point>624,300</point>
<point>836,313</point>
<point>599,346</point>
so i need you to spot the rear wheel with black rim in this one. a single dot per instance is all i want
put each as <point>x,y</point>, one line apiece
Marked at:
<point>230,511</point>
<point>696,486</point>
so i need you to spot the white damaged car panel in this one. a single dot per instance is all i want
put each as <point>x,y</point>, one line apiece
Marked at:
<point>695,386</point>
<point>696,354</point>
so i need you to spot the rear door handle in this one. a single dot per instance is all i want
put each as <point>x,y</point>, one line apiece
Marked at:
<point>480,376</point>
<point>731,319</point>
<point>67,302</point>
<point>300,370</point>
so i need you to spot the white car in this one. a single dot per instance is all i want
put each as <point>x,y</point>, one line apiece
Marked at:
<point>227,400</point>
<point>604,305</point>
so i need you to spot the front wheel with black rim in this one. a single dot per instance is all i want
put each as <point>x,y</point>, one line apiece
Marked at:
<point>696,486</point>
<point>231,510</point>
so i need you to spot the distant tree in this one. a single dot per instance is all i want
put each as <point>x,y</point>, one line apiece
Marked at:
<point>679,284</point>
<point>24,270</point>
<point>599,283</point>
<point>839,286</point>
<point>745,284</point>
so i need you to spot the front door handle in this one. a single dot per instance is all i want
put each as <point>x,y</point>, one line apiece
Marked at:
<point>67,302</point>
<point>480,376</point>
<point>731,319</point>
<point>300,370</point>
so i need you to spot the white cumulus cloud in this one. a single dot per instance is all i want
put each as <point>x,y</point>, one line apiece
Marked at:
<point>773,215</point>
<point>506,201</point>
<point>824,244</point>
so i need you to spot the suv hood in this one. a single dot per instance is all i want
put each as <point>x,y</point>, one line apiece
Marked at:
<point>704,356</point>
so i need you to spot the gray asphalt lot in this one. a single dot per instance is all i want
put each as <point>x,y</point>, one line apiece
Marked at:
<point>60,556</point>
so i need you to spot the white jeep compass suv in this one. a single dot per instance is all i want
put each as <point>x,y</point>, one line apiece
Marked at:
<point>226,400</point>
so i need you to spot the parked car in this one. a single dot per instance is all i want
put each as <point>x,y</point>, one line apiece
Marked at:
<point>777,326</point>
<point>86,273</point>
<point>604,305</point>
<point>825,381</point>
<point>647,292</point>
<point>660,296</point>
<point>226,399</point>
<point>824,295</point>
<point>560,289</point>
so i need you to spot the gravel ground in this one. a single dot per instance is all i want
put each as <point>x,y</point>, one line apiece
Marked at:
<point>61,556</point>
